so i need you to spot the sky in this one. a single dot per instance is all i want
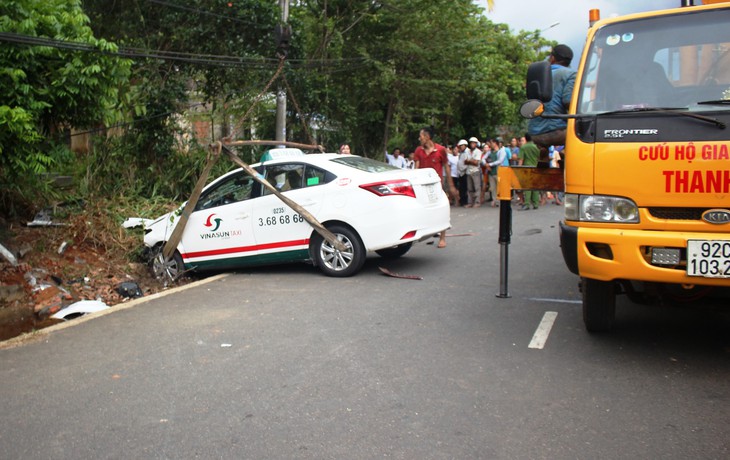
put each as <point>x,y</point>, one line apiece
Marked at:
<point>571,16</point>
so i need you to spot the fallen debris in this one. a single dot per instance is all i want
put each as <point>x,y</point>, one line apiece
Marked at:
<point>399,275</point>
<point>129,289</point>
<point>134,222</point>
<point>80,308</point>
<point>8,256</point>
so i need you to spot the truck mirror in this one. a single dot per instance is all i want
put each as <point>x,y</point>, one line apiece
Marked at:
<point>531,109</point>
<point>540,81</point>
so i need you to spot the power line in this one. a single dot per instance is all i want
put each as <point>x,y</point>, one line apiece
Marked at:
<point>203,59</point>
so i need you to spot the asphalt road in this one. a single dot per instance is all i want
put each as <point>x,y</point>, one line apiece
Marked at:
<point>286,363</point>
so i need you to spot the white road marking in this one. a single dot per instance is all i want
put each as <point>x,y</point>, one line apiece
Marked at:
<point>543,330</point>
<point>541,299</point>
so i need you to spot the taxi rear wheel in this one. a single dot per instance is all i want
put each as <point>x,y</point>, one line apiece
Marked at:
<point>395,251</point>
<point>334,262</point>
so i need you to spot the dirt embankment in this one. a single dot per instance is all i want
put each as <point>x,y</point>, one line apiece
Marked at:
<point>85,257</point>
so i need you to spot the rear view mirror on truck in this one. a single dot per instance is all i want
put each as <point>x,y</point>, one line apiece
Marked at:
<point>539,81</point>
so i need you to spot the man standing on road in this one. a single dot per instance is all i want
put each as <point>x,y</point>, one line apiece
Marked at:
<point>432,155</point>
<point>473,173</point>
<point>529,154</point>
<point>492,162</point>
<point>549,131</point>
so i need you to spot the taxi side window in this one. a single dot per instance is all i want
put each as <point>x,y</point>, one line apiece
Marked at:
<point>315,176</point>
<point>238,187</point>
<point>285,177</point>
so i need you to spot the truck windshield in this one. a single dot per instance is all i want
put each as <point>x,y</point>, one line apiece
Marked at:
<point>676,61</point>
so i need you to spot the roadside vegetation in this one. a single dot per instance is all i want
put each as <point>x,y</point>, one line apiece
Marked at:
<point>106,95</point>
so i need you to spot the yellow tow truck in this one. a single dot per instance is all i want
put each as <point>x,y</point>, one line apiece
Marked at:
<point>647,157</point>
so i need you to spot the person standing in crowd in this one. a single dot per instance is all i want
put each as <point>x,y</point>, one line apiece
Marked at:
<point>454,167</point>
<point>494,161</point>
<point>555,160</point>
<point>344,149</point>
<point>473,173</point>
<point>397,159</point>
<point>529,154</point>
<point>432,155</point>
<point>550,131</point>
<point>410,163</point>
<point>486,152</point>
<point>461,148</point>
<point>514,152</point>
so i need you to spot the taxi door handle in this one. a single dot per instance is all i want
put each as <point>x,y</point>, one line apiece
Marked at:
<point>308,203</point>
<point>242,216</point>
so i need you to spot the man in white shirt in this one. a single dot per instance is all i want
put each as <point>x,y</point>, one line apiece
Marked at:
<point>396,159</point>
<point>473,173</point>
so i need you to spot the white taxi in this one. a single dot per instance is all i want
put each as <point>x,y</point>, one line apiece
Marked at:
<point>367,204</point>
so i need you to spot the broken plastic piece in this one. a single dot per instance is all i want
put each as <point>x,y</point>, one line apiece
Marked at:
<point>134,222</point>
<point>9,256</point>
<point>80,308</point>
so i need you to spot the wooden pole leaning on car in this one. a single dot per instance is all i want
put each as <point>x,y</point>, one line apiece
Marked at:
<point>316,225</point>
<point>169,249</point>
<point>296,145</point>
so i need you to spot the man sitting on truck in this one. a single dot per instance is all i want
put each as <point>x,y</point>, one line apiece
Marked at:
<point>550,131</point>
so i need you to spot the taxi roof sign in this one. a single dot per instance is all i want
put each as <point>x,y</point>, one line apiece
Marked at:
<point>277,154</point>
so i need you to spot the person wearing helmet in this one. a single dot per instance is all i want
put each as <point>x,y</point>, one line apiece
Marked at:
<point>461,168</point>
<point>473,173</point>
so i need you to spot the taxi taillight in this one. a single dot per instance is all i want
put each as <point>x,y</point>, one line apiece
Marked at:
<point>391,188</point>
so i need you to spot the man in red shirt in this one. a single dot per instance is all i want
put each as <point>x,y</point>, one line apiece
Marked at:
<point>432,155</point>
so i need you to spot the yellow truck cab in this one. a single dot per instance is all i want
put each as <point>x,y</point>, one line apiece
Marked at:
<point>647,157</point>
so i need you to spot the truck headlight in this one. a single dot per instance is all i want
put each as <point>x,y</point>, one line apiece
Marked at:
<point>600,208</point>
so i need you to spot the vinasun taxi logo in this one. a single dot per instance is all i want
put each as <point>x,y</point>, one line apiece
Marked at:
<point>213,224</point>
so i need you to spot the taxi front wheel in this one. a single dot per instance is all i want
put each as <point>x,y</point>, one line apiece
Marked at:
<point>171,269</point>
<point>334,262</point>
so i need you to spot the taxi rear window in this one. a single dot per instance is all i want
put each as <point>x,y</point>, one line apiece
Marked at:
<point>364,164</point>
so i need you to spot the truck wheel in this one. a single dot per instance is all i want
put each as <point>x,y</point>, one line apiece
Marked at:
<point>339,263</point>
<point>395,251</point>
<point>599,304</point>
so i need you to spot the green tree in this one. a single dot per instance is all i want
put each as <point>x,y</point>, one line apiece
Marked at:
<point>46,89</point>
<point>192,33</point>
<point>414,63</point>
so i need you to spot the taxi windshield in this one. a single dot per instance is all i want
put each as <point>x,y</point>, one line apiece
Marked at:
<point>671,61</point>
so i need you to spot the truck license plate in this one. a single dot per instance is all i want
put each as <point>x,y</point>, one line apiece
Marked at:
<point>708,258</point>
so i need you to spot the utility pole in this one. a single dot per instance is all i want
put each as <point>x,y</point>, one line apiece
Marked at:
<point>281,91</point>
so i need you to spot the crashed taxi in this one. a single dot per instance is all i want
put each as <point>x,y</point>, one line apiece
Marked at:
<point>368,205</point>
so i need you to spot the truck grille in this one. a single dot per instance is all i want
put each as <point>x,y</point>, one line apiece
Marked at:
<point>677,213</point>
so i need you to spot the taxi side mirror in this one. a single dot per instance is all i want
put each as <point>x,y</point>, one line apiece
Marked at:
<point>540,81</point>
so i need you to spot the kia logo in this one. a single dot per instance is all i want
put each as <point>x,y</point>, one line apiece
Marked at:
<point>716,216</point>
